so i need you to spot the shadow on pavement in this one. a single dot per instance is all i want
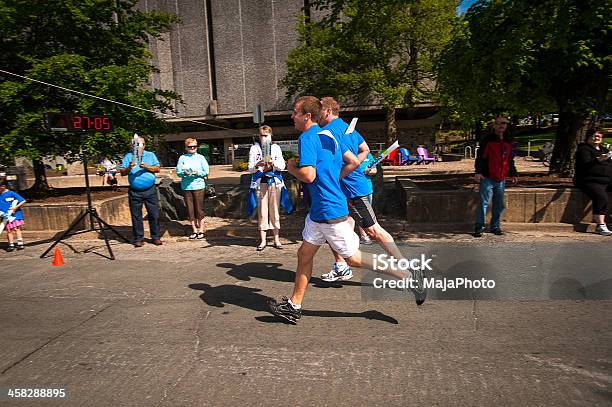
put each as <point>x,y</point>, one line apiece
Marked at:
<point>272,271</point>
<point>249,298</point>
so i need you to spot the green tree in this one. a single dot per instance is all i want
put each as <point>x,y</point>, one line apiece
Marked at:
<point>97,47</point>
<point>520,57</point>
<point>379,51</point>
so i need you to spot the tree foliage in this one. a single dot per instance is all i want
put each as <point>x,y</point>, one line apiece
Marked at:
<point>378,51</point>
<point>520,57</point>
<point>97,47</point>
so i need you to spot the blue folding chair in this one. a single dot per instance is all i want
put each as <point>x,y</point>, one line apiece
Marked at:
<point>406,158</point>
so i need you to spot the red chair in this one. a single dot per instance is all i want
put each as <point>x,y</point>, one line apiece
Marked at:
<point>393,158</point>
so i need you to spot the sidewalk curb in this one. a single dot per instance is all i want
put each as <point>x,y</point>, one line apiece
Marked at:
<point>394,227</point>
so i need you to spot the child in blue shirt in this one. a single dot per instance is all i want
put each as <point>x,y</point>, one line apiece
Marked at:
<point>10,210</point>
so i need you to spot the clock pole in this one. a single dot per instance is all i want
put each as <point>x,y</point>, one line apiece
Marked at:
<point>102,226</point>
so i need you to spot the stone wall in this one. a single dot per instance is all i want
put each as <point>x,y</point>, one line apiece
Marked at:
<point>523,205</point>
<point>59,216</point>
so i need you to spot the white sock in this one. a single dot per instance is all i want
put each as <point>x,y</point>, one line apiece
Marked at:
<point>295,306</point>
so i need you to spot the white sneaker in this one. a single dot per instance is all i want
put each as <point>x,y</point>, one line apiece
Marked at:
<point>338,272</point>
<point>603,230</point>
<point>365,240</point>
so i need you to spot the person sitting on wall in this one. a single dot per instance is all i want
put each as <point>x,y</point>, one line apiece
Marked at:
<point>594,176</point>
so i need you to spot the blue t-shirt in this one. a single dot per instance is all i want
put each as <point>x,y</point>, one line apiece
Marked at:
<point>7,199</point>
<point>354,184</point>
<point>139,178</point>
<point>325,154</point>
<point>364,164</point>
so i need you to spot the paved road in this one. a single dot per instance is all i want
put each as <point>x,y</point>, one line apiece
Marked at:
<point>185,325</point>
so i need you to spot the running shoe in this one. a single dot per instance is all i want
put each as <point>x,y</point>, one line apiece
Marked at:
<point>365,240</point>
<point>338,272</point>
<point>418,286</point>
<point>603,230</point>
<point>285,310</point>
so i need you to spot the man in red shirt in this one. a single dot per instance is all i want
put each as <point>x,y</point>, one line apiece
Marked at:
<point>494,162</point>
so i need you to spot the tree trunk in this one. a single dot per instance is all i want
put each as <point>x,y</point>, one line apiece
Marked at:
<point>570,131</point>
<point>576,98</point>
<point>390,125</point>
<point>40,177</point>
<point>478,131</point>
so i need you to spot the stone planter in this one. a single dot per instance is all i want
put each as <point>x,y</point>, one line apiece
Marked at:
<point>523,205</point>
<point>58,216</point>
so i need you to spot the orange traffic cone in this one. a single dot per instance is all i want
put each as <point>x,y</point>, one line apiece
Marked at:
<point>58,260</point>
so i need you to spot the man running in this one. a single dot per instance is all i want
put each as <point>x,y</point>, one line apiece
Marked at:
<point>356,189</point>
<point>323,161</point>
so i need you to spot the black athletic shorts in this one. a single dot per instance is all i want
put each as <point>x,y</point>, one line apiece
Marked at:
<point>361,210</point>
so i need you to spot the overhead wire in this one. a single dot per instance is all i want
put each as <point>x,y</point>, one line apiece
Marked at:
<point>169,115</point>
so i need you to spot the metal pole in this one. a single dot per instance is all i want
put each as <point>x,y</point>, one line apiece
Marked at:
<point>87,191</point>
<point>529,149</point>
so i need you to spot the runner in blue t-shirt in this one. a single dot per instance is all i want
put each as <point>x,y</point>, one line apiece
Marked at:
<point>369,172</point>
<point>356,188</point>
<point>323,161</point>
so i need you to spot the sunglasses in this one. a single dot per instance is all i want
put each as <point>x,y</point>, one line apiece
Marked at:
<point>501,123</point>
<point>192,146</point>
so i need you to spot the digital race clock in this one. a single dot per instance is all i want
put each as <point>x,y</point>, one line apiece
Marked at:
<point>78,122</point>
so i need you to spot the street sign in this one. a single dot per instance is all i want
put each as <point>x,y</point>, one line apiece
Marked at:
<point>258,114</point>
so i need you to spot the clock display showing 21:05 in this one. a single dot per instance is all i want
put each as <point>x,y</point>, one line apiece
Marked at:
<point>84,122</point>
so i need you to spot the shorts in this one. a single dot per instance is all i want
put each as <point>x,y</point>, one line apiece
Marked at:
<point>14,224</point>
<point>194,200</point>
<point>340,236</point>
<point>361,210</point>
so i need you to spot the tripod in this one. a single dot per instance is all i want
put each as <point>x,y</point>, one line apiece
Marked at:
<point>93,216</point>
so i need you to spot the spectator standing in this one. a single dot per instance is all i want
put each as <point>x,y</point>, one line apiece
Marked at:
<point>193,168</point>
<point>494,163</point>
<point>10,207</point>
<point>265,162</point>
<point>143,190</point>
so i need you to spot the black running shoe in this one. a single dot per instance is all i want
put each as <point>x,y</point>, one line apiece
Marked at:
<point>285,310</point>
<point>497,232</point>
<point>418,286</point>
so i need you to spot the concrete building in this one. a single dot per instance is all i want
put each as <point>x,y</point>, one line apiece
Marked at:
<point>227,56</point>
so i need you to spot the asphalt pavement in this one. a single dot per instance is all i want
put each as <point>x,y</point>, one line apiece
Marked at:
<point>186,324</point>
